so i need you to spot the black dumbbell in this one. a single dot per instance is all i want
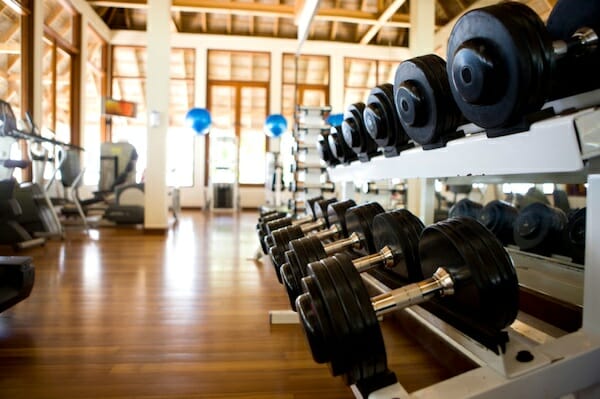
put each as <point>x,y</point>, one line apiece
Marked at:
<point>329,227</point>
<point>382,123</point>
<point>339,148</point>
<point>424,104</point>
<point>356,135</point>
<point>324,150</point>
<point>539,228</point>
<point>469,274</point>
<point>574,235</point>
<point>261,227</point>
<point>501,62</point>
<point>388,239</point>
<point>499,217</point>
<point>465,207</point>
<point>302,186</point>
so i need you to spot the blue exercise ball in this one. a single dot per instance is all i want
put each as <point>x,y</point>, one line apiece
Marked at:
<point>275,125</point>
<point>199,120</point>
<point>335,119</point>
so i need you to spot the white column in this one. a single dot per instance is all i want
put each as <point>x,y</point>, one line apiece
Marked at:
<point>157,94</point>
<point>275,95</point>
<point>336,84</point>
<point>591,296</point>
<point>421,42</point>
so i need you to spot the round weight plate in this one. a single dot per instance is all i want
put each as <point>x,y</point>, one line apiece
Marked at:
<point>400,230</point>
<point>339,148</point>
<point>374,338</point>
<point>336,213</point>
<point>290,281</point>
<point>311,203</point>
<point>538,228</point>
<point>499,217</point>
<point>422,97</point>
<point>381,119</point>
<point>359,219</point>
<point>307,250</point>
<point>465,207</point>
<point>357,338</point>
<point>355,134</point>
<point>495,67</point>
<point>575,235</point>
<point>315,322</point>
<point>324,150</point>
<point>278,224</point>
<point>498,284</point>
<point>281,240</point>
<point>321,209</point>
<point>341,357</point>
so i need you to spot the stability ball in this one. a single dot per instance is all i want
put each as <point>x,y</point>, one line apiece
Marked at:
<point>275,125</point>
<point>199,120</point>
<point>335,119</point>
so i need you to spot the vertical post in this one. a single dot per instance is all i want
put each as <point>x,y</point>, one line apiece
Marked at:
<point>157,94</point>
<point>421,41</point>
<point>591,296</point>
<point>336,83</point>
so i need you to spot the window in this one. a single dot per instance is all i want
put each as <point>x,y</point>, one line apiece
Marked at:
<point>129,83</point>
<point>305,82</point>
<point>361,75</point>
<point>238,94</point>
<point>95,89</point>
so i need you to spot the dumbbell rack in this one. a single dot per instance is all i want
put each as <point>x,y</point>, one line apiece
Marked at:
<point>310,122</point>
<point>561,149</point>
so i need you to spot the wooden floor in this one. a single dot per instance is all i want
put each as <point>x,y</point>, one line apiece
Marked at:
<point>123,314</point>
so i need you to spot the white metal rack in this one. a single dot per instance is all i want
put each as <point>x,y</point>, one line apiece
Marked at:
<point>561,149</point>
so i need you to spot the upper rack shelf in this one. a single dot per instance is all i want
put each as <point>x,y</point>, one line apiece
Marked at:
<point>554,149</point>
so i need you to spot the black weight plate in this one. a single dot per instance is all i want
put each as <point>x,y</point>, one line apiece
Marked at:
<point>290,281</point>
<point>341,357</point>
<point>400,230</point>
<point>339,148</point>
<point>357,338</point>
<point>539,228</point>
<point>307,250</point>
<point>281,240</point>
<point>499,217</point>
<point>439,247</point>
<point>321,209</point>
<point>277,224</point>
<point>491,63</point>
<point>371,323</point>
<point>355,134</point>
<point>337,214</point>
<point>465,207</point>
<point>315,322</point>
<point>381,120</point>
<point>359,219</point>
<point>311,203</point>
<point>324,150</point>
<point>575,235</point>
<point>422,98</point>
<point>498,284</point>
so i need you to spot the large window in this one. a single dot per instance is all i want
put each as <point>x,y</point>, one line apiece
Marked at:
<point>238,98</point>
<point>60,52</point>
<point>129,83</point>
<point>361,75</point>
<point>305,82</point>
<point>95,89</point>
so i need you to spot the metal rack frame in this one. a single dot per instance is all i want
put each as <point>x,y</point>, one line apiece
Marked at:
<point>560,149</point>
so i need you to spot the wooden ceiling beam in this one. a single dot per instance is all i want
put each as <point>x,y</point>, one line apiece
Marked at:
<point>382,20</point>
<point>265,10</point>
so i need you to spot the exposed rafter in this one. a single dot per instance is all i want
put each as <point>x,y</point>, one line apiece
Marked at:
<point>382,20</point>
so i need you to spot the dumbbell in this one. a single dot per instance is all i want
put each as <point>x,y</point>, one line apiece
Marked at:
<point>297,166</point>
<point>501,61</point>
<point>469,275</point>
<point>330,222</point>
<point>340,150</point>
<point>356,135</point>
<point>302,186</point>
<point>382,123</point>
<point>574,235</point>
<point>324,150</point>
<point>539,228</point>
<point>389,239</point>
<point>465,207</point>
<point>425,107</point>
<point>499,217</point>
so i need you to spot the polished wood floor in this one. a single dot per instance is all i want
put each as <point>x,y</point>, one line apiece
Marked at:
<point>123,314</point>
